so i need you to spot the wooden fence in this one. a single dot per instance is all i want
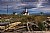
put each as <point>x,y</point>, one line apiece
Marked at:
<point>37,32</point>
<point>29,32</point>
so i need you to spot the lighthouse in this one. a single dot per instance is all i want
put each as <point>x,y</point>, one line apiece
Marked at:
<point>25,12</point>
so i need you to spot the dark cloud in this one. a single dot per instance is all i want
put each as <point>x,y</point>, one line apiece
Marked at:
<point>21,4</point>
<point>29,0</point>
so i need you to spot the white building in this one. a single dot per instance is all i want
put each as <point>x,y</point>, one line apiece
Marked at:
<point>16,13</point>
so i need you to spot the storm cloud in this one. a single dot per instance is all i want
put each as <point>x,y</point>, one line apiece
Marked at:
<point>21,4</point>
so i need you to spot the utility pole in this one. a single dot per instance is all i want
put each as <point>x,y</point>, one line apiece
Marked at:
<point>7,9</point>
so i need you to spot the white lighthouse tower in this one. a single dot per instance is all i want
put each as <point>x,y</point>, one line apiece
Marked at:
<point>26,12</point>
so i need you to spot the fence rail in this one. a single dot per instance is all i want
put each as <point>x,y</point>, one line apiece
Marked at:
<point>29,32</point>
<point>37,32</point>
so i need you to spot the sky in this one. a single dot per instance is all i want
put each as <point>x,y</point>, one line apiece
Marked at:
<point>33,6</point>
